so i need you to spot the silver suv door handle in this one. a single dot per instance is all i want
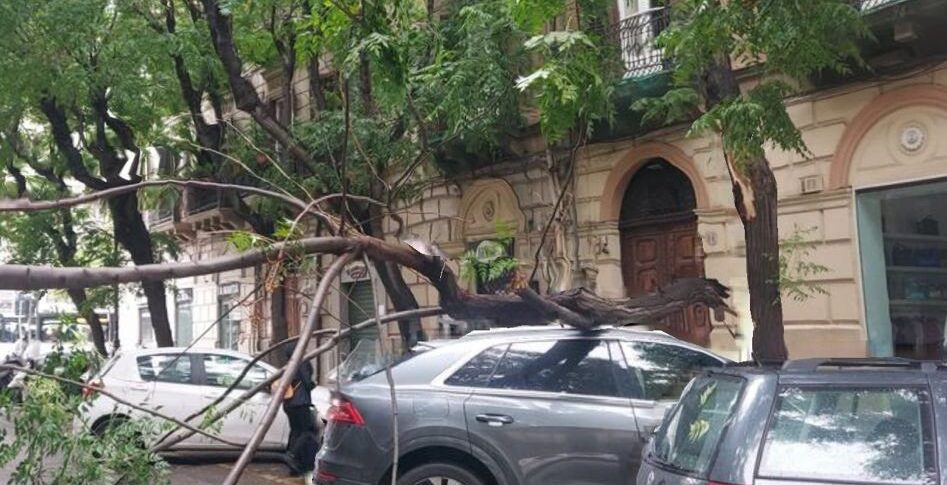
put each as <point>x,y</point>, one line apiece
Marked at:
<point>495,419</point>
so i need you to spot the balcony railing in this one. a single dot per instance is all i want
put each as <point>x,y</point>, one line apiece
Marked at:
<point>163,213</point>
<point>201,200</point>
<point>869,5</point>
<point>635,35</point>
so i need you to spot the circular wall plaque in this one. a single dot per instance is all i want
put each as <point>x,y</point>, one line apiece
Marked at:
<point>913,138</point>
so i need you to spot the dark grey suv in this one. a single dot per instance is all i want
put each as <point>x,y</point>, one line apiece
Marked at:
<point>807,422</point>
<point>533,406</point>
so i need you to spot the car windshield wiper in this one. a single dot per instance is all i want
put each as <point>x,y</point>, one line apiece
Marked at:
<point>668,465</point>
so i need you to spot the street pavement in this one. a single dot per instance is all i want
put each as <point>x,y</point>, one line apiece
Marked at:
<point>205,470</point>
<point>201,469</point>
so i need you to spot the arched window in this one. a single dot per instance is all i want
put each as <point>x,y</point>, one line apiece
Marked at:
<point>657,189</point>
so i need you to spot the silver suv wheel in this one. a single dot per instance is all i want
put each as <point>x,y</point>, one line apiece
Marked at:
<point>440,474</point>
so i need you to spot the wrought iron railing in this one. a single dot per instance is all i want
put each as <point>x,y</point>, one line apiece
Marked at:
<point>869,5</point>
<point>200,200</point>
<point>635,35</point>
<point>163,213</point>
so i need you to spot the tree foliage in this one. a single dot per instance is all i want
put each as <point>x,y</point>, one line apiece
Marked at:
<point>785,44</point>
<point>49,443</point>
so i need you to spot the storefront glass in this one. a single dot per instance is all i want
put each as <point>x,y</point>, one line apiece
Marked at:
<point>902,234</point>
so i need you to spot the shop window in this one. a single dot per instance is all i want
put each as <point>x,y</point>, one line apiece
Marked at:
<point>902,235</point>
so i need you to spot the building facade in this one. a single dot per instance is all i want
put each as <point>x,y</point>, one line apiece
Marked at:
<point>869,204</point>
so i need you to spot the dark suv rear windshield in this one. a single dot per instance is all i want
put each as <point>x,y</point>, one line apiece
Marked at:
<point>851,435</point>
<point>687,439</point>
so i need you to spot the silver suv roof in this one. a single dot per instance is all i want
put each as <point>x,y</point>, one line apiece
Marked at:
<point>559,331</point>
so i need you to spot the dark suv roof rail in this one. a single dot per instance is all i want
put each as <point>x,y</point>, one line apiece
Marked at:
<point>757,363</point>
<point>810,365</point>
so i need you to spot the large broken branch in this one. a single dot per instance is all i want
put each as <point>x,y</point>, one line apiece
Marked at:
<point>505,310</point>
<point>580,308</point>
<point>289,371</point>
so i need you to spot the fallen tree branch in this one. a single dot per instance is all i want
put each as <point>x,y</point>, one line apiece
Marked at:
<point>555,311</point>
<point>290,370</point>
<point>650,308</point>
<point>262,386</point>
<point>25,277</point>
<point>505,309</point>
<point>386,353</point>
<point>121,401</point>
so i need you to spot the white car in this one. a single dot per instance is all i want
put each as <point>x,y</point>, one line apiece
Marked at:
<point>178,383</point>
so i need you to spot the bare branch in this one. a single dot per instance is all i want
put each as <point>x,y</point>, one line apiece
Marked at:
<point>24,277</point>
<point>290,370</point>
<point>386,351</point>
<point>244,93</point>
<point>27,205</point>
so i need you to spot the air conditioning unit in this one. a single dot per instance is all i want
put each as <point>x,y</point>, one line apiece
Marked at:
<point>811,184</point>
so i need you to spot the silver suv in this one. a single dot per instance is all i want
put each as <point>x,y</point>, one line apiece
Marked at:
<point>530,406</point>
<point>807,422</point>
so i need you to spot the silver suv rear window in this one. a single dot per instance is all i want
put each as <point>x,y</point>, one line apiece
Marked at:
<point>870,435</point>
<point>687,440</point>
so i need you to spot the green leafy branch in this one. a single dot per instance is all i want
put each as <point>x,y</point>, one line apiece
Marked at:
<point>795,270</point>
<point>489,264</point>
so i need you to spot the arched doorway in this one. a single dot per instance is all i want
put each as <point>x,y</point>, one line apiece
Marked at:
<point>659,242</point>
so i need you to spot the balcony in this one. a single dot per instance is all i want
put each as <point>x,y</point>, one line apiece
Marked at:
<point>869,5</point>
<point>635,36</point>
<point>196,210</point>
<point>202,200</point>
<point>161,215</point>
<point>905,34</point>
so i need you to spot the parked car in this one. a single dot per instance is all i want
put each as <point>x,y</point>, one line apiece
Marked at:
<point>818,421</point>
<point>525,406</point>
<point>178,382</point>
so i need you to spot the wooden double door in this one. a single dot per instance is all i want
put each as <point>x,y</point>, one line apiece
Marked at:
<point>658,251</point>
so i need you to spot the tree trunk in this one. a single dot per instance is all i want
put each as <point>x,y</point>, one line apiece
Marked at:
<point>754,193</point>
<point>79,299</point>
<point>365,85</point>
<point>762,263</point>
<point>279,330</point>
<point>398,291</point>
<point>133,235</point>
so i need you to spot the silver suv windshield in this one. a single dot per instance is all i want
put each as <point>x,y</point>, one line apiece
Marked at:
<point>368,359</point>
<point>688,437</point>
<point>364,360</point>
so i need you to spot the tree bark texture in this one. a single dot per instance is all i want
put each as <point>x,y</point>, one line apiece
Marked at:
<point>133,235</point>
<point>244,93</point>
<point>279,330</point>
<point>762,263</point>
<point>754,192</point>
<point>398,291</point>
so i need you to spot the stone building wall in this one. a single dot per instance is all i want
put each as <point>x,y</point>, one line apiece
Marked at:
<point>854,137</point>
